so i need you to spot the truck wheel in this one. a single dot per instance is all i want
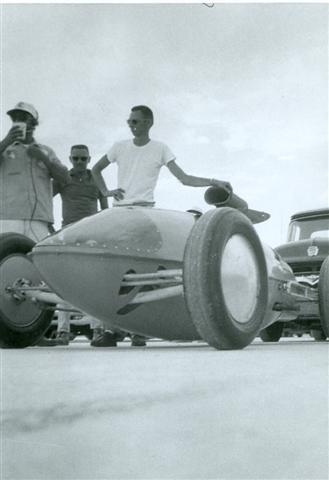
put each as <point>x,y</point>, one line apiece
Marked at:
<point>324,296</point>
<point>318,335</point>
<point>22,322</point>
<point>272,333</point>
<point>225,279</point>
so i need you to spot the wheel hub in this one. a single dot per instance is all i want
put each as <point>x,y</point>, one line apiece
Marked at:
<point>13,305</point>
<point>240,278</point>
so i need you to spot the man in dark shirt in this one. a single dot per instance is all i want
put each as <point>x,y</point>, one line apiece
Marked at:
<point>79,193</point>
<point>80,197</point>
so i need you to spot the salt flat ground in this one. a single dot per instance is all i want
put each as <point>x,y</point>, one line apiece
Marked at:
<point>168,411</point>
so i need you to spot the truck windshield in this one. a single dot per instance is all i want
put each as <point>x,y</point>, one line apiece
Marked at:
<point>308,228</point>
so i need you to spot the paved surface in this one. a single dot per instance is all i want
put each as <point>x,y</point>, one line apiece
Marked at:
<point>170,411</point>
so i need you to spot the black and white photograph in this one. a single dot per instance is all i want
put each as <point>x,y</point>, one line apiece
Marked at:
<point>164,241</point>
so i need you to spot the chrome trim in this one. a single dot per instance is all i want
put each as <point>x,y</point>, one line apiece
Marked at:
<point>159,294</point>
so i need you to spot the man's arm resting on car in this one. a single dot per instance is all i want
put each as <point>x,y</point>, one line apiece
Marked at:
<point>193,181</point>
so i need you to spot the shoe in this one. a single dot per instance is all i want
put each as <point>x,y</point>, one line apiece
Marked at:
<point>46,342</point>
<point>104,339</point>
<point>62,338</point>
<point>138,341</point>
<point>97,332</point>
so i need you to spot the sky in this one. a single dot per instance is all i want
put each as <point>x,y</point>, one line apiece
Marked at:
<point>239,92</point>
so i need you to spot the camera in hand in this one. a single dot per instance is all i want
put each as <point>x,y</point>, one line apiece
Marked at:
<point>22,126</point>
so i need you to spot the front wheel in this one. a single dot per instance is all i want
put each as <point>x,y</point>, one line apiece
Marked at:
<point>22,322</point>
<point>225,279</point>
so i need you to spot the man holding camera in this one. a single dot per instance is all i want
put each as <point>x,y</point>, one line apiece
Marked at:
<point>26,172</point>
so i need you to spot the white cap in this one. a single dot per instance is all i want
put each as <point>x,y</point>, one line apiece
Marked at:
<point>25,107</point>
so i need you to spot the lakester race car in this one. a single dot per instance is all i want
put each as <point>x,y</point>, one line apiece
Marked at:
<point>159,273</point>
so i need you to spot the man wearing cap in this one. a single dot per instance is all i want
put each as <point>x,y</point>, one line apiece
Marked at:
<point>26,172</point>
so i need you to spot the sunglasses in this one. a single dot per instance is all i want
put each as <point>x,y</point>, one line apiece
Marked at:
<point>133,121</point>
<point>84,159</point>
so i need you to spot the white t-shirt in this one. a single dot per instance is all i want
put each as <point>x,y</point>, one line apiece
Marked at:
<point>138,169</point>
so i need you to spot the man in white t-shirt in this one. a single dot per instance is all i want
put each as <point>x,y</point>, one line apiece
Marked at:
<point>139,162</point>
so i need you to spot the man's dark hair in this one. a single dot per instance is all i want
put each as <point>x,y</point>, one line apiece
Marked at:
<point>80,146</point>
<point>146,111</point>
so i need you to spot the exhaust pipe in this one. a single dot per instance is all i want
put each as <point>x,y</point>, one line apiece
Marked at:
<point>221,197</point>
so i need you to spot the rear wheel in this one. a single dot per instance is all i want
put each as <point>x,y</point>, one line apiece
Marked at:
<point>225,279</point>
<point>272,333</point>
<point>324,296</point>
<point>22,322</point>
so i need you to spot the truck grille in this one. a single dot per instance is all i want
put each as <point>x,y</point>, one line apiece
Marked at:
<point>306,268</point>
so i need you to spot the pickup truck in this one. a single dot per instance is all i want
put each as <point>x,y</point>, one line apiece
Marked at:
<point>306,252</point>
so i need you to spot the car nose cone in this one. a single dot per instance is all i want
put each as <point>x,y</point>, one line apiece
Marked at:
<point>85,263</point>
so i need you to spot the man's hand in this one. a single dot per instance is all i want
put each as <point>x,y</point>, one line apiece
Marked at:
<point>221,184</point>
<point>14,134</point>
<point>117,194</point>
<point>35,151</point>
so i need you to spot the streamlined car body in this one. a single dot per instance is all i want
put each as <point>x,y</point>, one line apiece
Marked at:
<point>159,273</point>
